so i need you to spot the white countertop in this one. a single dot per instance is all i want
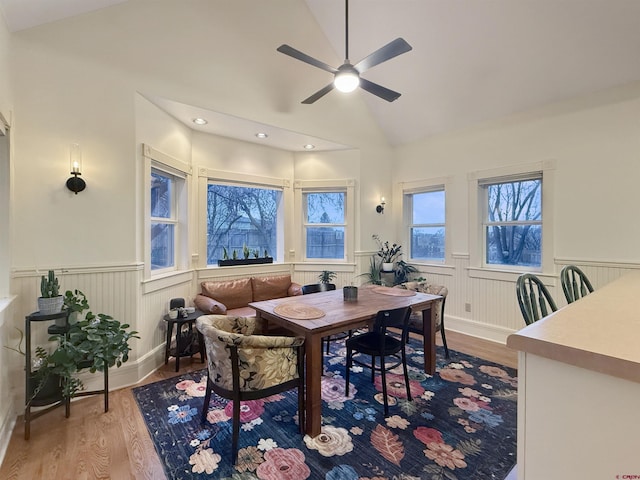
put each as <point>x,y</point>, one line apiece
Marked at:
<point>600,332</point>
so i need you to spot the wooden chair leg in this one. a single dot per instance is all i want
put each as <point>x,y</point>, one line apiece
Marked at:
<point>205,406</point>
<point>444,338</point>
<point>236,431</point>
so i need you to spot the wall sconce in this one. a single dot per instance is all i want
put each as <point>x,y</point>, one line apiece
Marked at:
<point>380,208</point>
<point>75,183</point>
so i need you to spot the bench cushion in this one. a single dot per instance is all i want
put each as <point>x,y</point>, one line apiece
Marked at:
<point>267,288</point>
<point>231,293</point>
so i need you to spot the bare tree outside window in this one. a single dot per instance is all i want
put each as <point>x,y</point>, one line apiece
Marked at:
<point>241,216</point>
<point>513,228</point>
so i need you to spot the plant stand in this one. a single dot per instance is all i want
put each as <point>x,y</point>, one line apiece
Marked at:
<point>53,399</point>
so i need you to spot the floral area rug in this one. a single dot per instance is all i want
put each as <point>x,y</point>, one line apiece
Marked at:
<point>460,425</point>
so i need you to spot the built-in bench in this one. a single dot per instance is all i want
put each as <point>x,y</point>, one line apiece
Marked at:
<point>232,297</point>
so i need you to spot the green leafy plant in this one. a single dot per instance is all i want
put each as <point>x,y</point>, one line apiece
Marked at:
<point>234,255</point>
<point>245,251</point>
<point>402,271</point>
<point>387,253</point>
<point>326,276</point>
<point>96,342</point>
<point>49,286</point>
<point>75,301</point>
<point>225,254</point>
<point>256,253</point>
<point>373,274</point>
<point>266,254</point>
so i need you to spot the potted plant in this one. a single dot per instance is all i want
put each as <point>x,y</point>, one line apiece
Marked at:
<point>95,342</point>
<point>50,301</point>
<point>326,276</point>
<point>43,389</point>
<point>249,257</point>
<point>373,275</point>
<point>402,271</point>
<point>387,253</point>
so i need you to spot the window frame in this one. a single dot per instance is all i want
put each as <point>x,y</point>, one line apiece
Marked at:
<point>484,185</point>
<point>303,187</point>
<point>478,181</point>
<point>306,224</point>
<point>172,219</point>
<point>408,198</point>
<point>407,190</point>
<point>207,176</point>
<point>180,174</point>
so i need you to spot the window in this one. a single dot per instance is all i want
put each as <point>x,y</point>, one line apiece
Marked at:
<point>240,217</point>
<point>163,220</point>
<point>166,236</point>
<point>324,225</point>
<point>512,224</point>
<point>324,219</point>
<point>426,225</point>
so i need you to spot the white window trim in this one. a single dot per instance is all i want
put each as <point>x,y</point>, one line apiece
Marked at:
<point>153,159</point>
<point>314,186</point>
<point>207,175</point>
<point>476,211</point>
<point>423,186</point>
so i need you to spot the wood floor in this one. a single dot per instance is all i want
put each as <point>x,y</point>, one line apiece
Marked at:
<point>115,445</point>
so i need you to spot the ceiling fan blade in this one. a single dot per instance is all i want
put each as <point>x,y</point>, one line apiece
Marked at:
<point>389,51</point>
<point>297,54</point>
<point>319,94</point>
<point>379,90</point>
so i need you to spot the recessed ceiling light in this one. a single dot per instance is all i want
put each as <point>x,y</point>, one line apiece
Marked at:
<point>261,135</point>
<point>308,146</point>
<point>200,121</point>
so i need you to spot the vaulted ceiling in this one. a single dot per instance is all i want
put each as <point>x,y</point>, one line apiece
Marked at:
<point>472,60</point>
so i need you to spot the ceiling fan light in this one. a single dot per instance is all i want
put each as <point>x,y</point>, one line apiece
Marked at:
<point>346,81</point>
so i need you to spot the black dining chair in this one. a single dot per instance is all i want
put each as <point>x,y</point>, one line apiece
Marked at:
<point>534,298</point>
<point>575,283</point>
<point>378,343</point>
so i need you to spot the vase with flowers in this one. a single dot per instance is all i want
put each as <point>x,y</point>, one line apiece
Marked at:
<point>387,253</point>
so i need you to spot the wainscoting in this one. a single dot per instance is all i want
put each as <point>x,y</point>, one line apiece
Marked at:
<point>476,305</point>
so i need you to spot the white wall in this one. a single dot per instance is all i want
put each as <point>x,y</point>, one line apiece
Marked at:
<point>594,142</point>
<point>7,358</point>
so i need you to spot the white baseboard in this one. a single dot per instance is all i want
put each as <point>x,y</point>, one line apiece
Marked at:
<point>493,333</point>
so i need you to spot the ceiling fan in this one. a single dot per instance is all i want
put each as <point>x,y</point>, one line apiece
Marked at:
<point>347,76</point>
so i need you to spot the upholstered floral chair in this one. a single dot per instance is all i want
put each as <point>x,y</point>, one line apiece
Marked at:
<point>415,322</point>
<point>243,366</point>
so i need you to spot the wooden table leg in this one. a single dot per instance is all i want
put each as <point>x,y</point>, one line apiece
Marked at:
<point>313,402</point>
<point>429,340</point>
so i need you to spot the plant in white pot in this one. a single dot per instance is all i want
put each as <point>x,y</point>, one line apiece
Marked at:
<point>50,301</point>
<point>387,253</point>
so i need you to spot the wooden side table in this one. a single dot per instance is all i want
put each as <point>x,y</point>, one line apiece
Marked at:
<point>186,342</point>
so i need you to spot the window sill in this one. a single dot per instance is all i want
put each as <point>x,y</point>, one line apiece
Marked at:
<point>437,268</point>
<point>166,280</point>
<point>509,275</point>
<point>4,305</point>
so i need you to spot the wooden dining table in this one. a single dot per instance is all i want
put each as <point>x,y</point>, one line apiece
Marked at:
<point>318,315</point>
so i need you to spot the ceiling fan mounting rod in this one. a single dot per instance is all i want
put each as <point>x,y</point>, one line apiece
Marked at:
<point>346,31</point>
